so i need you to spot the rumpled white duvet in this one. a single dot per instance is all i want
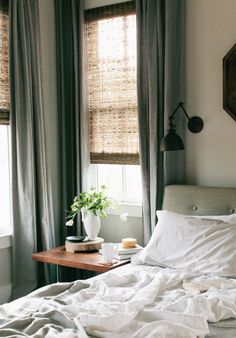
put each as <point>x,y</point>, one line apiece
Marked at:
<point>130,302</point>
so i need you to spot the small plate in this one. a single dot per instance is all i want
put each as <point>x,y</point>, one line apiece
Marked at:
<point>75,239</point>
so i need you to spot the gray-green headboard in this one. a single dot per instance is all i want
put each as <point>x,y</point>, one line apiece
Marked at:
<point>197,200</point>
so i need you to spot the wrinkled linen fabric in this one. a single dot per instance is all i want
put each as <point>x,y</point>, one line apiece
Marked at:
<point>201,244</point>
<point>131,302</point>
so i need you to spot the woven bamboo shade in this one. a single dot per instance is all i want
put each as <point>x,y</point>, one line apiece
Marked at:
<point>111,55</point>
<point>4,78</point>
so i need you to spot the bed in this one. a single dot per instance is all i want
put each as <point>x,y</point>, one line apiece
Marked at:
<point>181,285</point>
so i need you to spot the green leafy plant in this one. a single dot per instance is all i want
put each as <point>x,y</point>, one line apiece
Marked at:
<point>94,201</point>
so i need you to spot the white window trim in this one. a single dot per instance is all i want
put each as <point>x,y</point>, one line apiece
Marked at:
<point>5,238</point>
<point>94,3</point>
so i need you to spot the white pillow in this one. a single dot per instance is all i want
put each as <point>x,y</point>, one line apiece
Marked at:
<point>204,244</point>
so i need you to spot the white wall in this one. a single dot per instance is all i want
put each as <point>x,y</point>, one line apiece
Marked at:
<point>210,34</point>
<point>113,230</point>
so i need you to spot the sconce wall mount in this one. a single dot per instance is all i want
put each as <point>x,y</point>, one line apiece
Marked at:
<point>172,141</point>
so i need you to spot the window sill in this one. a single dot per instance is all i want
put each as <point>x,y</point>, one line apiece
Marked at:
<point>133,210</point>
<point>5,238</point>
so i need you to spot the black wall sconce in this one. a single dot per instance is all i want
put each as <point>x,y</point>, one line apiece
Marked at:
<point>172,141</point>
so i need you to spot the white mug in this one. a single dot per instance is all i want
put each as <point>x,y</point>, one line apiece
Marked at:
<point>109,250</point>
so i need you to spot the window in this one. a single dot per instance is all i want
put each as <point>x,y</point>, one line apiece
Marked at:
<point>111,67</point>
<point>4,178</point>
<point>4,119</point>
<point>122,181</point>
<point>4,78</point>
<point>111,60</point>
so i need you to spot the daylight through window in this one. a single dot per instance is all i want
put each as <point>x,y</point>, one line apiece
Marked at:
<point>111,58</point>
<point>4,178</point>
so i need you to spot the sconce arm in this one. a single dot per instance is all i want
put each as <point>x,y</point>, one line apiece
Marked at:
<point>195,123</point>
<point>180,105</point>
<point>172,141</point>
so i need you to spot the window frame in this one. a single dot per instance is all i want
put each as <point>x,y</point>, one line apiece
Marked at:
<point>5,118</point>
<point>111,152</point>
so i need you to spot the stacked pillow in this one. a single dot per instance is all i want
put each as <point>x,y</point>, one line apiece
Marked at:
<point>202,244</point>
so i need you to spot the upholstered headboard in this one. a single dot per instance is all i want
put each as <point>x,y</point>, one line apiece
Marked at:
<point>197,200</point>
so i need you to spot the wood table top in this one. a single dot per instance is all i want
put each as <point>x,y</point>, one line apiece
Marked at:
<point>92,261</point>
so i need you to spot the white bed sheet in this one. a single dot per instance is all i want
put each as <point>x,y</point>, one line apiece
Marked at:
<point>133,301</point>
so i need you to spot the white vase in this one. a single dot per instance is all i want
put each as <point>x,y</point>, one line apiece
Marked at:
<point>92,224</point>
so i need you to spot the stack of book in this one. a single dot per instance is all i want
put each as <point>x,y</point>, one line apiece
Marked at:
<point>126,253</point>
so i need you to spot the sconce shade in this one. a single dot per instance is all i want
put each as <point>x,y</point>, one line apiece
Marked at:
<point>171,141</point>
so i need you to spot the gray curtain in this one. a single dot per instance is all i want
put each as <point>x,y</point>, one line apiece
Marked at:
<point>72,110</point>
<point>33,228</point>
<point>160,45</point>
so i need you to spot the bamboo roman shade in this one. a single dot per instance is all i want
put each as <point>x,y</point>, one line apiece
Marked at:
<point>4,78</point>
<point>111,66</point>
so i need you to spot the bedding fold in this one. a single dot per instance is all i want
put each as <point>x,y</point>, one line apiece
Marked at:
<point>131,302</point>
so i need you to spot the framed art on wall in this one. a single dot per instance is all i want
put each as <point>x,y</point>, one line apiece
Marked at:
<point>229,82</point>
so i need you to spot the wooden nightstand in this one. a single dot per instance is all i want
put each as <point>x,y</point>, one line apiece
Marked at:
<point>91,261</point>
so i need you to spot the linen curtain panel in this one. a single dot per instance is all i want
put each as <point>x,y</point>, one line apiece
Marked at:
<point>72,109</point>
<point>160,78</point>
<point>31,199</point>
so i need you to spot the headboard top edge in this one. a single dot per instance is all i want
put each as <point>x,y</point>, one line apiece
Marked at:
<point>200,200</point>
